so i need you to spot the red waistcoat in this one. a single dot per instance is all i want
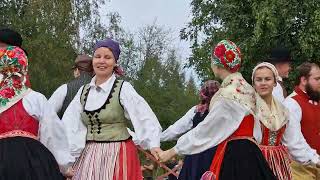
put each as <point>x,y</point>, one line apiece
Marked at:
<point>15,121</point>
<point>310,120</point>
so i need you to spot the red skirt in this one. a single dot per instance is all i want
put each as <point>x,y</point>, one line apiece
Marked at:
<point>108,161</point>
<point>279,160</point>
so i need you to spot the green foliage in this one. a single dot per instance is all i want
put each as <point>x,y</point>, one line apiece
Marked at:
<point>256,26</point>
<point>50,30</point>
<point>45,28</point>
<point>54,32</point>
<point>160,81</point>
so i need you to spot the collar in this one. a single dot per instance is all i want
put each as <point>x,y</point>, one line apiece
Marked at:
<point>273,118</point>
<point>234,87</point>
<point>230,78</point>
<point>301,93</point>
<point>304,95</point>
<point>104,86</point>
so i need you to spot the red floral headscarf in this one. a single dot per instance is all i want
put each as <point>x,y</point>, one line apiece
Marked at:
<point>13,76</point>
<point>207,90</point>
<point>226,54</point>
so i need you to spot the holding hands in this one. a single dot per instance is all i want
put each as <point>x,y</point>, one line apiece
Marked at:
<point>155,152</point>
<point>167,155</point>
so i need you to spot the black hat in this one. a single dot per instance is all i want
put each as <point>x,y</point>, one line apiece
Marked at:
<point>279,55</point>
<point>10,37</point>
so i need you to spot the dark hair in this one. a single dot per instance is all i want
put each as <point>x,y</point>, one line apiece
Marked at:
<point>304,71</point>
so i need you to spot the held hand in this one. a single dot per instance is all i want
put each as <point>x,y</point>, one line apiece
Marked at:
<point>69,173</point>
<point>155,152</point>
<point>167,155</point>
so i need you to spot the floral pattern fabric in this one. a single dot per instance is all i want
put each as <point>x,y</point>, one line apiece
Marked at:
<point>13,76</point>
<point>226,54</point>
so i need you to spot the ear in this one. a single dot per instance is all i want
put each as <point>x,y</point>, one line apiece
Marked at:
<point>303,80</point>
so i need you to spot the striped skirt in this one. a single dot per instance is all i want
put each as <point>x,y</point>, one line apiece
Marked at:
<point>279,160</point>
<point>108,161</point>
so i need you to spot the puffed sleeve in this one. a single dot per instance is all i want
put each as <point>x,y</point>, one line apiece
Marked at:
<point>293,137</point>
<point>52,132</point>
<point>146,125</point>
<point>179,127</point>
<point>76,130</point>
<point>222,121</point>
<point>57,98</point>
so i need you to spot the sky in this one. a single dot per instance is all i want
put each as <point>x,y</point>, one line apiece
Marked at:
<point>171,14</point>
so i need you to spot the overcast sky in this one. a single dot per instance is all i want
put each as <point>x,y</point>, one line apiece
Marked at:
<point>172,14</point>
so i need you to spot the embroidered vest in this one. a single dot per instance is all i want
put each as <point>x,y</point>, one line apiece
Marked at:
<point>271,138</point>
<point>107,123</point>
<point>16,121</point>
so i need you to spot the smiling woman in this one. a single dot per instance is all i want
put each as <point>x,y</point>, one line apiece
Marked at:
<point>97,121</point>
<point>273,118</point>
<point>103,64</point>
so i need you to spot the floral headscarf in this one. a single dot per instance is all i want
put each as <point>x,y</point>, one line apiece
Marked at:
<point>207,90</point>
<point>226,54</point>
<point>13,76</point>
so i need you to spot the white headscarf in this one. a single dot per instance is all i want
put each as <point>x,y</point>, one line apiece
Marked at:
<point>268,65</point>
<point>276,117</point>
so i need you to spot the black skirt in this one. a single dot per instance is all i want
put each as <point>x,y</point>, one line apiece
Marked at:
<point>24,158</point>
<point>243,160</point>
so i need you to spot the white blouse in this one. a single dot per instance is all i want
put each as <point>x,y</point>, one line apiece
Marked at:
<point>57,98</point>
<point>293,137</point>
<point>145,123</point>
<point>52,131</point>
<point>222,121</point>
<point>278,93</point>
<point>181,126</point>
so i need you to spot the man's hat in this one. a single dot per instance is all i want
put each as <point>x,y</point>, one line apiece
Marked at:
<point>279,55</point>
<point>83,63</point>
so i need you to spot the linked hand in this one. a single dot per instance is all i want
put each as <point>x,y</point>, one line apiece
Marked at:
<point>167,155</point>
<point>155,152</point>
<point>69,173</point>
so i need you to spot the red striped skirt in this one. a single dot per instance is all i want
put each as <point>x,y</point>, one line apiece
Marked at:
<point>108,161</point>
<point>279,160</point>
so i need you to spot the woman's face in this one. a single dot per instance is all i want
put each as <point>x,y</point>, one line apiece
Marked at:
<point>103,62</point>
<point>264,81</point>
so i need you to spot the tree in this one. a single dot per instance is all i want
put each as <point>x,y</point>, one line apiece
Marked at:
<point>255,26</point>
<point>50,30</point>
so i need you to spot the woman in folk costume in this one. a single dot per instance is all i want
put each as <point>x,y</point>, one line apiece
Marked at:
<point>190,120</point>
<point>28,126</point>
<point>97,121</point>
<point>274,118</point>
<point>195,115</point>
<point>228,130</point>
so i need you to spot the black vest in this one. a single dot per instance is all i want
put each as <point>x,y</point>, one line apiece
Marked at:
<point>72,88</point>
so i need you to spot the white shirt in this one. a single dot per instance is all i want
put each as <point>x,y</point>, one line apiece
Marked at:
<point>181,126</point>
<point>52,131</point>
<point>294,140</point>
<point>57,98</point>
<point>145,123</point>
<point>222,121</point>
<point>278,93</point>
